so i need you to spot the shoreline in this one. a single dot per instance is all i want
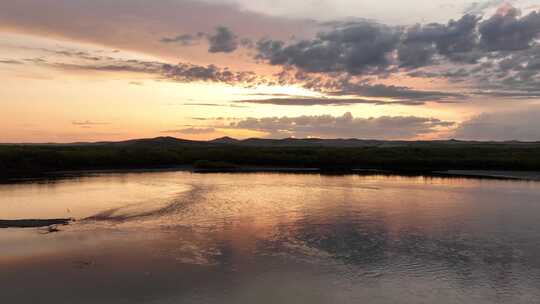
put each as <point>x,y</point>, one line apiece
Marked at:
<point>497,174</point>
<point>489,174</point>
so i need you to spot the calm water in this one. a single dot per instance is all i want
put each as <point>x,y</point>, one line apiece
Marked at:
<point>177,237</point>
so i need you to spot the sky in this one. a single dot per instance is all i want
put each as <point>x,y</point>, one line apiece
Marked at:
<point>96,70</point>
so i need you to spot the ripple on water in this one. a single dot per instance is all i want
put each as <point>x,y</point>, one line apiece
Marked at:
<point>330,239</point>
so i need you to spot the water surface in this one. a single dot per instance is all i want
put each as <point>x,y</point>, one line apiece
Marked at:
<point>177,237</point>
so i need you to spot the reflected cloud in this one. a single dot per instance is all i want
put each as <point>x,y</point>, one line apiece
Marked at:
<point>242,234</point>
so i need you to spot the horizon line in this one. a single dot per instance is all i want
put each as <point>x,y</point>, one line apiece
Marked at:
<point>269,139</point>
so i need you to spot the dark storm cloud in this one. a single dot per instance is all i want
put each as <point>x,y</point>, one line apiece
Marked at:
<point>508,32</point>
<point>345,126</point>
<point>222,41</point>
<point>355,49</point>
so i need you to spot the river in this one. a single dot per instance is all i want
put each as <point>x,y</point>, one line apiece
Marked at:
<point>181,237</point>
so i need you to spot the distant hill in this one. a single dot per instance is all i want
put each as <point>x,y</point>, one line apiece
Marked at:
<point>157,141</point>
<point>167,141</point>
<point>224,140</point>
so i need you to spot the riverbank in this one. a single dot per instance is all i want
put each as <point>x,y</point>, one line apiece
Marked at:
<point>519,175</point>
<point>23,161</point>
<point>485,174</point>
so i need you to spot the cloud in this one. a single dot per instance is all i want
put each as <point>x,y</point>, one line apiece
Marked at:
<point>247,43</point>
<point>185,39</point>
<point>354,91</point>
<point>416,54</point>
<point>181,72</point>
<point>214,105</point>
<point>10,61</point>
<point>354,49</point>
<point>399,93</point>
<point>185,72</point>
<point>81,60</point>
<point>450,40</point>
<point>345,126</point>
<point>344,86</point>
<point>339,90</point>
<point>191,131</point>
<point>513,75</point>
<point>508,32</point>
<point>223,41</point>
<point>87,124</point>
<point>133,66</point>
<point>310,101</point>
<point>396,12</point>
<point>84,55</point>
<point>498,53</point>
<point>134,24</point>
<point>477,8</point>
<point>503,126</point>
<point>362,47</point>
<point>469,51</point>
<point>510,94</point>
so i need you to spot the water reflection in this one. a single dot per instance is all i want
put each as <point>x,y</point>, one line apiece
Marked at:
<point>275,238</point>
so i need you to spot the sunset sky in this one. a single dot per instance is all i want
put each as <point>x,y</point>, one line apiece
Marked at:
<point>92,70</point>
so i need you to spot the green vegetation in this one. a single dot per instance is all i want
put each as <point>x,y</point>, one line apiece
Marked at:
<point>30,160</point>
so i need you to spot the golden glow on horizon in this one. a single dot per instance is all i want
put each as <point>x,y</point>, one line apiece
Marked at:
<point>41,103</point>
